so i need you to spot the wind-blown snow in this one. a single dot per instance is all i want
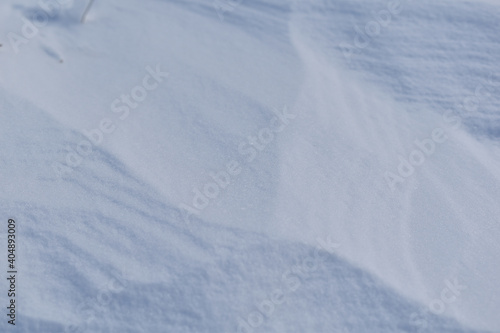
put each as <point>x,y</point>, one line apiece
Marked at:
<point>115,243</point>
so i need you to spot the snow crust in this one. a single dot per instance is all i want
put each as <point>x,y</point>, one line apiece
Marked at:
<point>382,152</point>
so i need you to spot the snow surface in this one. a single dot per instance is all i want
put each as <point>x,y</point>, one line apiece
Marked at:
<point>112,243</point>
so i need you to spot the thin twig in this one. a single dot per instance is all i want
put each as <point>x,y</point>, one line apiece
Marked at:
<point>89,4</point>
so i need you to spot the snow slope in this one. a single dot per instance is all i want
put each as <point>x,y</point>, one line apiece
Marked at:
<point>115,239</point>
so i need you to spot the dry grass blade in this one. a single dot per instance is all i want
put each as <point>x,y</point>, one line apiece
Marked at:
<point>86,11</point>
